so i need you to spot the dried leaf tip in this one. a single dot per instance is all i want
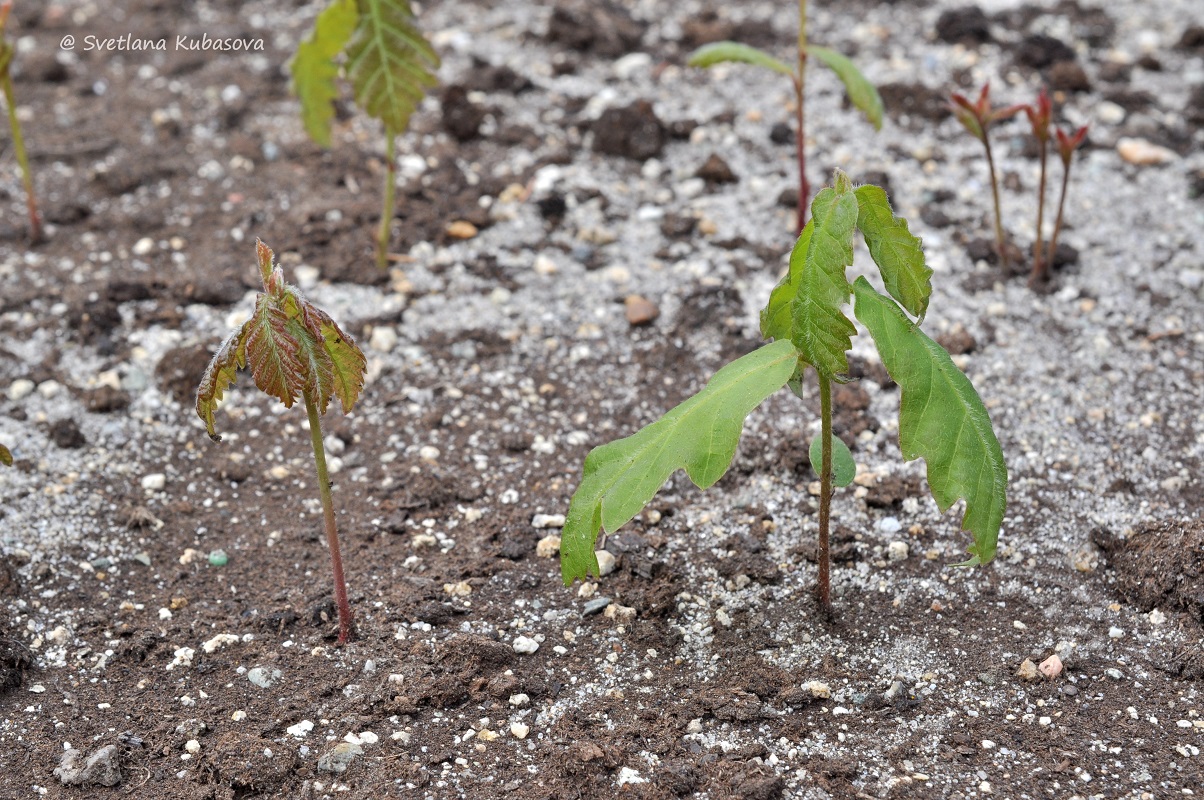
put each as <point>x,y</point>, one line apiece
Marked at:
<point>273,277</point>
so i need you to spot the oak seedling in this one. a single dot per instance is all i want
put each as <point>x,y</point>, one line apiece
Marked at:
<point>294,350</point>
<point>941,417</point>
<point>7,52</point>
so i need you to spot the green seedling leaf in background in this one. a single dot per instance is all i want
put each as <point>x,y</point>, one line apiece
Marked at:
<point>699,436</point>
<point>861,92</point>
<point>844,469</point>
<point>6,458</point>
<point>389,64</point>
<point>733,52</point>
<point>820,330</point>
<point>898,253</point>
<point>941,419</point>
<point>315,70</point>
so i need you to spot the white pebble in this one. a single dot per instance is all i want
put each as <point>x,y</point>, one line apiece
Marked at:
<point>897,551</point>
<point>547,521</point>
<point>525,645</point>
<point>193,746</point>
<point>518,730</point>
<point>154,482</point>
<point>20,389</point>
<point>1115,632</point>
<point>428,453</point>
<point>548,546</point>
<point>143,246</point>
<point>1143,153</point>
<point>1157,617</point>
<point>606,563</point>
<point>300,729</point>
<point>519,700</point>
<point>383,339</point>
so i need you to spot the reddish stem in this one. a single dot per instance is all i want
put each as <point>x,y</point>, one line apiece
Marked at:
<point>1040,268</point>
<point>346,624</point>
<point>1053,242</point>
<point>999,247</point>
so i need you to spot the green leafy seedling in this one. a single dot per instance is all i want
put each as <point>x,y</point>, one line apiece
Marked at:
<point>294,350</point>
<point>977,118</point>
<point>389,65</point>
<point>7,52</point>
<point>861,92</point>
<point>941,417</point>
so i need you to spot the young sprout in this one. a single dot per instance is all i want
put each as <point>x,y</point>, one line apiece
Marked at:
<point>6,458</point>
<point>941,417</point>
<point>1067,144</point>
<point>7,51</point>
<point>977,118</point>
<point>389,65</point>
<point>1039,116</point>
<point>294,349</point>
<point>861,92</point>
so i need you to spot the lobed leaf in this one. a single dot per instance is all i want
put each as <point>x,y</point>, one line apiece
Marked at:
<point>389,62</point>
<point>820,330</point>
<point>699,435</point>
<point>941,419</point>
<point>274,353</point>
<point>861,92</point>
<point>777,320</point>
<point>317,369</point>
<point>721,52</point>
<point>219,376</point>
<point>6,458</point>
<point>844,469</point>
<point>898,252</point>
<point>347,360</point>
<point>315,70</point>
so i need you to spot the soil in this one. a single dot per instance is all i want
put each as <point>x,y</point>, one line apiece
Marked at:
<point>573,163</point>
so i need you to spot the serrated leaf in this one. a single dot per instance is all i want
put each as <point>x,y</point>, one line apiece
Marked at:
<point>720,52</point>
<point>861,92</point>
<point>220,375</point>
<point>346,358</point>
<point>699,435</point>
<point>316,365</point>
<point>273,353</point>
<point>820,330</point>
<point>389,63</point>
<point>777,316</point>
<point>315,70</point>
<point>6,458</point>
<point>941,419</point>
<point>898,252</point>
<point>844,469</point>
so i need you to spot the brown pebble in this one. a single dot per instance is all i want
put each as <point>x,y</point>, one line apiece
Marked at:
<point>640,311</point>
<point>461,229</point>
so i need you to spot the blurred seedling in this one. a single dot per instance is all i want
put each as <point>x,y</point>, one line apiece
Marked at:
<point>941,417</point>
<point>6,458</point>
<point>294,350</point>
<point>861,92</point>
<point>389,65</point>
<point>1067,144</point>
<point>1040,115</point>
<point>977,118</point>
<point>7,52</point>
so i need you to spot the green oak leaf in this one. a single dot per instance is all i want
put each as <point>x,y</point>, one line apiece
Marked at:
<point>777,318</point>
<point>941,419</point>
<point>844,469</point>
<point>6,458</point>
<point>820,330</point>
<point>315,70</point>
<point>861,92</point>
<point>720,52</point>
<point>699,435</point>
<point>898,252</point>
<point>389,63</point>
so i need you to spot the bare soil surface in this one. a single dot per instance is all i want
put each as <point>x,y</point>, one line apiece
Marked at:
<point>586,231</point>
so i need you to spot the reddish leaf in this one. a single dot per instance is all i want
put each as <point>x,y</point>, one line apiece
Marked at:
<point>273,353</point>
<point>220,375</point>
<point>347,358</point>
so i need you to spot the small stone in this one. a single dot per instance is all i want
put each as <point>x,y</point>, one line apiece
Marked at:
<point>596,606</point>
<point>716,170</point>
<point>519,700</point>
<point>143,246</point>
<point>262,677</point>
<point>192,746</point>
<point>1115,633</point>
<point>1027,670</point>
<point>897,551</point>
<point>383,339</point>
<point>154,482</point>
<point>518,730</point>
<point>694,726</point>
<point>461,589</point>
<point>102,768</point>
<point>819,690</point>
<point>1144,153</point>
<point>640,311</point>
<point>627,775</point>
<point>606,563</point>
<point>525,645</point>
<point>461,229</point>
<point>428,453</point>
<point>548,546</point>
<point>300,729</point>
<point>339,757</point>
<point>1051,667</point>
<point>547,521</point>
<point>1018,625</point>
<point>1157,617</point>
<point>890,525</point>
<point>218,558</point>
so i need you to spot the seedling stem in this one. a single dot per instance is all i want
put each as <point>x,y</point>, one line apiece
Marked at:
<point>346,624</point>
<point>386,216</point>
<point>6,83</point>
<point>822,587</point>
